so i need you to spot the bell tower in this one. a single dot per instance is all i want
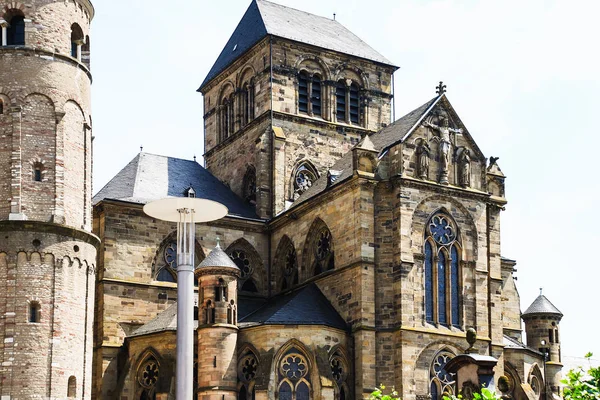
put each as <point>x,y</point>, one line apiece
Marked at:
<point>47,250</point>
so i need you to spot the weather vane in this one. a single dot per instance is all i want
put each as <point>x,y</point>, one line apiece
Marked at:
<point>440,89</point>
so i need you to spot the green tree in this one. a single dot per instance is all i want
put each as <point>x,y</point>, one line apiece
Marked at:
<point>379,394</point>
<point>581,385</point>
<point>486,394</point>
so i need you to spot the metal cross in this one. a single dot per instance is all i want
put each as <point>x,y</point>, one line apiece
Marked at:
<point>441,88</point>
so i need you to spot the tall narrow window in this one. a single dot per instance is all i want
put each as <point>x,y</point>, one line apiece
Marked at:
<point>72,387</point>
<point>442,271</point>
<point>340,101</point>
<point>354,104</point>
<point>315,97</point>
<point>37,172</point>
<point>1,106</point>
<point>76,41</point>
<point>34,312</point>
<point>294,377</point>
<point>303,92</point>
<point>16,31</point>
<point>247,369</point>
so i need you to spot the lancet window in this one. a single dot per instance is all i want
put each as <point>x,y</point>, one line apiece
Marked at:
<point>339,371</point>
<point>247,369</point>
<point>147,378</point>
<point>294,376</point>
<point>442,271</point>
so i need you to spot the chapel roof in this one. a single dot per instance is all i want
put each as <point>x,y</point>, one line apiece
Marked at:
<point>542,305</point>
<point>305,306</point>
<point>150,177</point>
<point>263,18</point>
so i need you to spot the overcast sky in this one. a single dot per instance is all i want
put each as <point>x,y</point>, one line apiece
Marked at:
<point>522,75</point>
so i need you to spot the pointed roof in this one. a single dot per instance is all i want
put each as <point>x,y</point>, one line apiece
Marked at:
<point>151,177</point>
<point>218,258</point>
<point>541,305</point>
<point>305,306</point>
<point>263,18</point>
<point>366,144</point>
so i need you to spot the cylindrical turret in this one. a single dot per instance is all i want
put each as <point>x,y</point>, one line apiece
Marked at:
<point>542,320</point>
<point>217,326</point>
<point>47,253</point>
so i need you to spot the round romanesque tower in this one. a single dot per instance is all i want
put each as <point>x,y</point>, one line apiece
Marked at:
<point>217,326</point>
<point>542,320</point>
<point>47,251</point>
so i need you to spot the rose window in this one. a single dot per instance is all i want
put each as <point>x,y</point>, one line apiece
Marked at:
<point>323,244</point>
<point>294,366</point>
<point>441,229</point>
<point>170,255</point>
<point>247,368</point>
<point>243,263</point>
<point>149,374</point>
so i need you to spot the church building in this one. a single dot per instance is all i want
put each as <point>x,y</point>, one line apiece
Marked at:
<point>357,250</point>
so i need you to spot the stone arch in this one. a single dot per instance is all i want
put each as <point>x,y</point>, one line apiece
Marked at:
<point>4,103</point>
<point>253,275</point>
<point>367,162</point>
<point>76,103</point>
<point>147,372</point>
<point>318,254</point>
<point>159,261</point>
<point>245,75</point>
<point>294,346</point>
<point>424,359</point>
<point>304,174</point>
<point>465,223</point>
<point>15,6</point>
<point>286,264</point>
<point>227,88</point>
<point>357,76</point>
<point>514,379</point>
<point>248,363</point>
<point>303,62</point>
<point>535,374</point>
<point>341,373</point>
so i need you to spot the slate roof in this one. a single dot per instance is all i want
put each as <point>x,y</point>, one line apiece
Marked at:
<point>151,177</point>
<point>218,258</point>
<point>264,18</point>
<point>381,140</point>
<point>513,344</point>
<point>541,305</point>
<point>306,306</point>
<point>165,321</point>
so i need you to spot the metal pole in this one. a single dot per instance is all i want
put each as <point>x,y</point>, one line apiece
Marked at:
<point>185,304</point>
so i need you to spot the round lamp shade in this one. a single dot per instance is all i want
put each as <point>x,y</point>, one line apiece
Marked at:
<point>204,210</point>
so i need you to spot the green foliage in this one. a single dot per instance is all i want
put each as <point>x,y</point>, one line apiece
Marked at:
<point>486,394</point>
<point>379,394</point>
<point>580,385</point>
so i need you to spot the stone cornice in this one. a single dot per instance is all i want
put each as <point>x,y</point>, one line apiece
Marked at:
<point>50,228</point>
<point>48,55</point>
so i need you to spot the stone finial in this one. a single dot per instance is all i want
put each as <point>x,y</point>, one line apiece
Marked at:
<point>471,339</point>
<point>440,89</point>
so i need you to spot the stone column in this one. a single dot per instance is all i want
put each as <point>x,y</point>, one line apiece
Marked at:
<point>16,167</point>
<point>4,26</point>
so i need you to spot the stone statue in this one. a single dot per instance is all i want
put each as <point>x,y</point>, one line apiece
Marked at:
<point>464,175</point>
<point>445,144</point>
<point>423,151</point>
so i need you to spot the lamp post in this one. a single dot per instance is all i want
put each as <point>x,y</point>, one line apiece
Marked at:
<point>186,211</point>
<point>545,354</point>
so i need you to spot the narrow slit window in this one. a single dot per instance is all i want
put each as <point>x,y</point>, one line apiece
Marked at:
<point>34,312</point>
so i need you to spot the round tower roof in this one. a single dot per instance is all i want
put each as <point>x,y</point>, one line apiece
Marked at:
<point>541,305</point>
<point>217,258</point>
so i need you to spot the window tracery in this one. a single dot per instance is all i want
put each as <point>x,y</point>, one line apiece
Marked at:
<point>442,271</point>
<point>304,177</point>
<point>441,382</point>
<point>339,372</point>
<point>247,370</point>
<point>165,262</point>
<point>148,374</point>
<point>294,376</point>
<point>249,186</point>
<point>323,252</point>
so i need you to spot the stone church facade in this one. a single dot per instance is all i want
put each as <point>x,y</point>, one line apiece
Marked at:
<point>357,250</point>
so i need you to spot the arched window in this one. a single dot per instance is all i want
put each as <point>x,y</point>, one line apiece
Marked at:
<point>287,263</point>
<point>340,101</point>
<point>323,252</point>
<point>35,315</point>
<point>304,176</point>
<point>72,387</point>
<point>15,34</point>
<point>147,378</point>
<point>339,371</point>
<point>293,371</point>
<point>1,106</point>
<point>315,96</point>
<point>442,271</point>
<point>440,381</point>
<point>76,41</point>
<point>247,369</point>
<point>303,92</point>
<point>165,262</point>
<point>244,263</point>
<point>38,168</point>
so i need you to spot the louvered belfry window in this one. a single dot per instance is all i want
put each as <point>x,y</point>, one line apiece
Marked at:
<point>303,93</point>
<point>340,101</point>
<point>315,97</point>
<point>354,104</point>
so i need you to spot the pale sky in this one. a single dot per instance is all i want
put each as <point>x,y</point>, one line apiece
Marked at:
<point>522,75</point>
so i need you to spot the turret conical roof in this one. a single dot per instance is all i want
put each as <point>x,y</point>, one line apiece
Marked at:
<point>542,305</point>
<point>219,259</point>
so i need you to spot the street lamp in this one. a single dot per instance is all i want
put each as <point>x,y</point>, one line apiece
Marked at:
<point>186,211</point>
<point>545,354</point>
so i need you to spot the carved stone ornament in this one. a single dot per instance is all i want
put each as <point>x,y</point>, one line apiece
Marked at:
<point>423,151</point>
<point>445,145</point>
